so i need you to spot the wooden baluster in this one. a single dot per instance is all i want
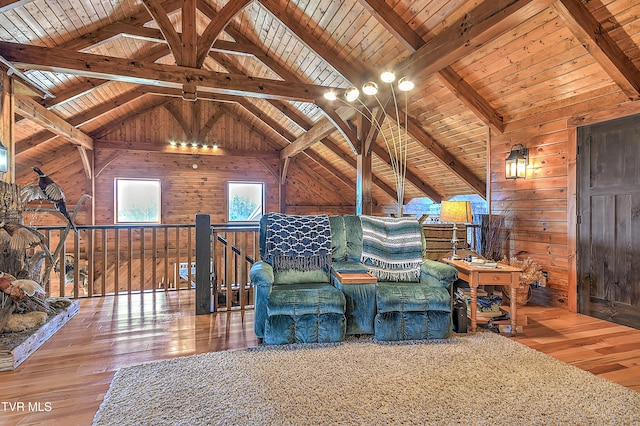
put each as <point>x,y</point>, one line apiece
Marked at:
<point>154,258</point>
<point>91,233</point>
<point>190,278</point>
<point>116,265</point>
<point>76,265</point>
<point>142,260</point>
<point>105,267</point>
<point>166,258</point>
<point>129,259</point>
<point>228,257</point>
<point>61,267</point>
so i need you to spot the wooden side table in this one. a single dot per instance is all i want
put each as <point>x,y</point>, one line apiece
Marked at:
<point>479,276</point>
<point>360,293</point>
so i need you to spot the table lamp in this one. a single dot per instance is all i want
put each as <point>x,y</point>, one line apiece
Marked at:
<point>455,212</point>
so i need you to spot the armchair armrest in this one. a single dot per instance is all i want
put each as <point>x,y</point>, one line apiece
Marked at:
<point>261,276</point>
<point>437,274</point>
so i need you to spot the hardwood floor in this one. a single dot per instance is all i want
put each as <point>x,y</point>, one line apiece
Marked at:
<point>66,379</point>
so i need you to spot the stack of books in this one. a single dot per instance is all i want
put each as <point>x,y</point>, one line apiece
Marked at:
<point>482,263</point>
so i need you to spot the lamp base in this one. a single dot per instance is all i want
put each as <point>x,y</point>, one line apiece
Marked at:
<point>454,243</point>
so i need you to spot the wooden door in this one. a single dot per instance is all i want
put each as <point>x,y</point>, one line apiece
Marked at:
<point>608,245</point>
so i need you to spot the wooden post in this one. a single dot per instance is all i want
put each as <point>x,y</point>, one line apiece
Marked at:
<point>6,124</point>
<point>366,133</point>
<point>363,185</point>
<point>203,265</point>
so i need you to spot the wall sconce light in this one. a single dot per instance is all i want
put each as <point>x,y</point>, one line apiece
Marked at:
<point>516,163</point>
<point>4,159</point>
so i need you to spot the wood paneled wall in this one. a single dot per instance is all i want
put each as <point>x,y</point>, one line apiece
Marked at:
<point>185,191</point>
<point>541,209</point>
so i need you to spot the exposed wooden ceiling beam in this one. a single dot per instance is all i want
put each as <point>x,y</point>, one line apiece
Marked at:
<point>342,125</point>
<point>447,159</point>
<point>353,74</point>
<point>106,107</point>
<point>345,68</point>
<point>393,23</point>
<point>321,130</point>
<point>476,103</point>
<point>488,20</point>
<point>391,192</point>
<point>412,41</point>
<point>37,139</point>
<point>189,36</point>
<point>176,113</point>
<point>586,28</point>
<point>27,107</point>
<point>115,29</point>
<point>169,33</point>
<point>86,84</point>
<point>216,26</point>
<point>7,5</point>
<point>294,116</point>
<point>213,118</point>
<point>148,73</point>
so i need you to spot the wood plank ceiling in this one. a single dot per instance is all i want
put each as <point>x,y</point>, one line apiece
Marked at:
<point>478,66</point>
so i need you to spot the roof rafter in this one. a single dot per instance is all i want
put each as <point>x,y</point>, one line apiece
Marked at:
<point>485,22</point>
<point>149,73</point>
<point>156,10</point>
<point>412,41</point>
<point>586,28</point>
<point>216,26</point>
<point>27,107</point>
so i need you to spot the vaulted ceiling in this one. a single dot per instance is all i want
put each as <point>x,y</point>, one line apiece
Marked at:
<point>87,67</point>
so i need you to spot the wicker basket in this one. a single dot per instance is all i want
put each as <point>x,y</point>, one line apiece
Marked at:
<point>523,294</point>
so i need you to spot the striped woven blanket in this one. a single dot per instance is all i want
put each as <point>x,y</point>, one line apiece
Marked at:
<point>392,247</point>
<point>298,242</point>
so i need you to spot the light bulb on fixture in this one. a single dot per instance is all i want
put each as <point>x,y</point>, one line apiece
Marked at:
<point>396,141</point>
<point>370,88</point>
<point>183,144</point>
<point>351,94</point>
<point>330,95</point>
<point>214,146</point>
<point>388,77</point>
<point>405,84</point>
<point>172,143</point>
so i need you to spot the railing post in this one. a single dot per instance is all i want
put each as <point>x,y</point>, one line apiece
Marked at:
<point>203,265</point>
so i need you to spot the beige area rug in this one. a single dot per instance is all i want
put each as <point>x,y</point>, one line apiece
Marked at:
<point>481,379</point>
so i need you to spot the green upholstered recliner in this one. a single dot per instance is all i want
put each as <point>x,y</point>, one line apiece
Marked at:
<point>392,310</point>
<point>295,304</point>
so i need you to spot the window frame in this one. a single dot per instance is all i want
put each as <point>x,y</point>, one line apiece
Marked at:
<point>116,213</point>
<point>229,198</point>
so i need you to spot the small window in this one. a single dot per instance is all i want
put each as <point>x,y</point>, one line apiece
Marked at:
<point>137,200</point>
<point>245,201</point>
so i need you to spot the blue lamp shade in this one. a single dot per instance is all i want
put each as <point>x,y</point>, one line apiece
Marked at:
<point>516,162</point>
<point>4,159</point>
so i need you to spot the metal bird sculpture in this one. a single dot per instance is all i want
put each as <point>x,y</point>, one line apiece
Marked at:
<point>23,290</point>
<point>47,189</point>
<point>18,236</point>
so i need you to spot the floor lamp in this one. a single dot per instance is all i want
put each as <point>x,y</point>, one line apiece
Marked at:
<point>455,212</point>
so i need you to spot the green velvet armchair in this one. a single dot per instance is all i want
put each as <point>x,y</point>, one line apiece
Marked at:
<point>294,299</point>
